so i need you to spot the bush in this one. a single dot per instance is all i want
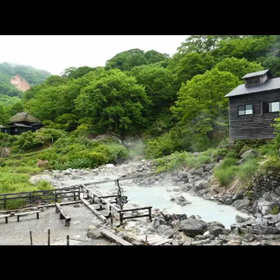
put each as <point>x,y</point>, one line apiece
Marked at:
<point>226,175</point>
<point>247,169</point>
<point>161,146</point>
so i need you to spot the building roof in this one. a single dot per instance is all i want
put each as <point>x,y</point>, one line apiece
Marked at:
<point>255,74</point>
<point>23,117</point>
<point>270,84</point>
<point>20,125</point>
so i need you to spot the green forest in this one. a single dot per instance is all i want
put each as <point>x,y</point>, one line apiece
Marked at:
<point>171,106</point>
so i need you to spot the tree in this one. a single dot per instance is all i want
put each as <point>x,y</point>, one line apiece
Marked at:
<point>48,103</point>
<point>74,73</point>
<point>153,56</point>
<point>16,108</point>
<point>114,103</point>
<point>4,117</point>
<point>191,64</point>
<point>203,43</point>
<point>201,104</point>
<point>248,47</point>
<point>238,67</point>
<point>126,60</point>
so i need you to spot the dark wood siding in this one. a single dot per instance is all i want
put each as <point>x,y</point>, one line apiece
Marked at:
<point>256,126</point>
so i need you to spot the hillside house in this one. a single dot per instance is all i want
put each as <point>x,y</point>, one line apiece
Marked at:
<point>253,106</point>
<point>20,123</point>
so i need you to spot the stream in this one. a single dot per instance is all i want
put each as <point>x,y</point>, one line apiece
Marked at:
<point>158,196</point>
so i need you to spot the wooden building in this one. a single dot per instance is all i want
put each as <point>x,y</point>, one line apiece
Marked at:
<point>253,106</point>
<point>20,123</point>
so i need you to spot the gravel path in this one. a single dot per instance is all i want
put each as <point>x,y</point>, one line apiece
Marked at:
<point>18,233</point>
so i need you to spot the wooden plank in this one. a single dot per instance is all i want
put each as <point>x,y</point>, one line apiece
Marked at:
<point>6,216</point>
<point>163,241</point>
<point>27,213</point>
<point>136,209</point>
<point>63,215</point>
<point>100,216</point>
<point>113,237</point>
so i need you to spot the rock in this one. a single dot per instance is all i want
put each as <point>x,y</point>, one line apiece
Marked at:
<point>238,195</point>
<point>192,227</point>
<point>94,233</point>
<point>235,242</point>
<point>240,204</point>
<point>215,230</point>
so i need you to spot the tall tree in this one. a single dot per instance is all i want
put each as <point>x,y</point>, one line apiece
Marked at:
<point>238,67</point>
<point>201,104</point>
<point>114,103</point>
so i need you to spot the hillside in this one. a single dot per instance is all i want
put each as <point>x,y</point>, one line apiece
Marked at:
<point>20,83</point>
<point>14,78</point>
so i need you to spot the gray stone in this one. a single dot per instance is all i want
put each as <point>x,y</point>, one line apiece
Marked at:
<point>240,204</point>
<point>192,227</point>
<point>215,230</point>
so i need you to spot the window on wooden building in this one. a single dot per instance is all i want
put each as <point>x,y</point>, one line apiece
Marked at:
<point>270,107</point>
<point>245,110</point>
<point>273,107</point>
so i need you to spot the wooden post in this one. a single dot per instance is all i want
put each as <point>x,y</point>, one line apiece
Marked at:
<point>31,243</point>
<point>111,216</point>
<point>150,214</point>
<point>49,236</point>
<point>55,196</point>
<point>30,200</point>
<point>67,240</point>
<point>4,202</point>
<point>121,218</point>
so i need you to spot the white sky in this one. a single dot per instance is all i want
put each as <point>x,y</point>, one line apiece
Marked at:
<point>55,53</point>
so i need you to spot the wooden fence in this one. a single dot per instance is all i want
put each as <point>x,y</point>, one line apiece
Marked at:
<point>21,199</point>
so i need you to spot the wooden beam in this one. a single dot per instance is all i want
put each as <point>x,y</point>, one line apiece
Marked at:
<point>6,216</point>
<point>63,215</point>
<point>100,216</point>
<point>27,213</point>
<point>113,237</point>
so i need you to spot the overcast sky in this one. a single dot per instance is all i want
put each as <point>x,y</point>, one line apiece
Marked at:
<point>55,53</point>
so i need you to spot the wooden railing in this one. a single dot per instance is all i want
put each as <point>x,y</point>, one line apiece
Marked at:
<point>21,199</point>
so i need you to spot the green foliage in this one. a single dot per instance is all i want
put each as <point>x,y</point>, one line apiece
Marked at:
<point>219,153</point>
<point>126,60</point>
<point>161,146</point>
<point>191,64</point>
<point>270,163</point>
<point>181,159</point>
<point>238,66</point>
<point>75,73</point>
<point>248,47</point>
<point>274,210</point>
<point>201,103</point>
<point>114,103</point>
<point>29,140</point>
<point>203,43</point>
<point>247,169</point>
<point>227,175</point>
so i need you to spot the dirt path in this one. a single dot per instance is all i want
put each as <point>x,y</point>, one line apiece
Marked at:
<point>18,233</point>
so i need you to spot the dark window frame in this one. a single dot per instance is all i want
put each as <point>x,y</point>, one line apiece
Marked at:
<point>269,106</point>
<point>245,110</point>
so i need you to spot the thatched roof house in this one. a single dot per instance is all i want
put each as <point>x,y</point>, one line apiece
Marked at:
<point>21,122</point>
<point>24,118</point>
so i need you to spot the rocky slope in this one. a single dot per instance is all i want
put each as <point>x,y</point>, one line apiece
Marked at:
<point>20,83</point>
